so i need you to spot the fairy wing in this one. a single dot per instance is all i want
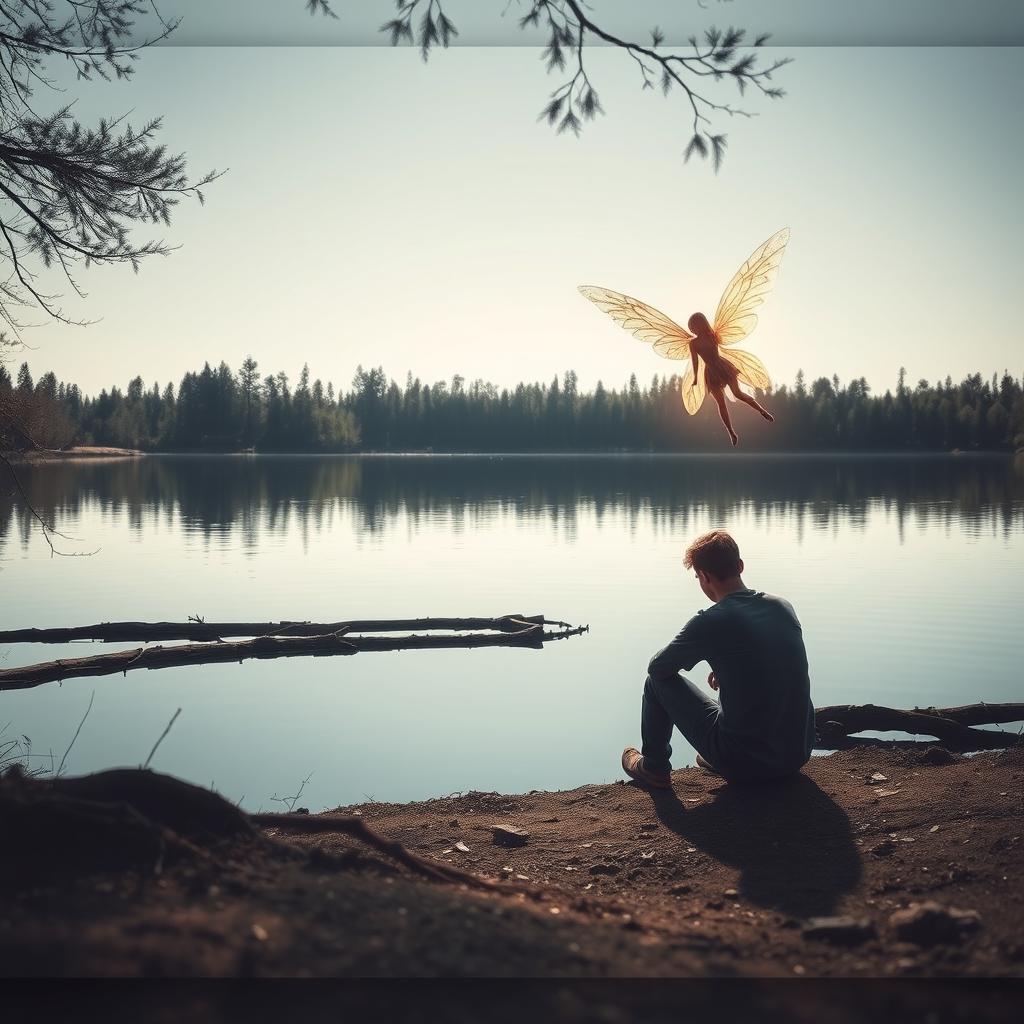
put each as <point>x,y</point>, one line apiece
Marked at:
<point>694,390</point>
<point>668,338</point>
<point>735,317</point>
<point>750,369</point>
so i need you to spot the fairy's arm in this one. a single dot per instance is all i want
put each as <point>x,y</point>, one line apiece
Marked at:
<point>695,362</point>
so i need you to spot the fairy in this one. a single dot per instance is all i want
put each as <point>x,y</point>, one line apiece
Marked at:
<point>714,367</point>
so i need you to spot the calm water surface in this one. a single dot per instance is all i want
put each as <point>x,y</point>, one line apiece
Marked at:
<point>906,574</point>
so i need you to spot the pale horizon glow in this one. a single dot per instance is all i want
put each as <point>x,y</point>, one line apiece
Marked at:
<point>380,211</point>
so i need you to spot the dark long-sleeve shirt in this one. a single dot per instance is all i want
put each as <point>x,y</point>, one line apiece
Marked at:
<point>754,644</point>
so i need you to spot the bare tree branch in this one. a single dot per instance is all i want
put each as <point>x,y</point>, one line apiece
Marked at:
<point>71,194</point>
<point>719,55</point>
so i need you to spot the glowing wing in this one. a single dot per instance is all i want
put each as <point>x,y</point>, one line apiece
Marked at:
<point>693,391</point>
<point>751,370</point>
<point>668,338</point>
<point>735,317</point>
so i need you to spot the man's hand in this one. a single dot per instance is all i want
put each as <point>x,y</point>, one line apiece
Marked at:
<point>712,681</point>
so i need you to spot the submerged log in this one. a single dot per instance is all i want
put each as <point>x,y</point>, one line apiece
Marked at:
<point>951,727</point>
<point>199,629</point>
<point>526,632</point>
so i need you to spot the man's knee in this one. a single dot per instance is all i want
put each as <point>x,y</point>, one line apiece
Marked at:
<point>652,685</point>
<point>663,688</point>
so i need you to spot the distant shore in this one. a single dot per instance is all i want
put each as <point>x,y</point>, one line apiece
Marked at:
<point>108,452</point>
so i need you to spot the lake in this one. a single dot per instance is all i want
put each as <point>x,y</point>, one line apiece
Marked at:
<point>906,573</point>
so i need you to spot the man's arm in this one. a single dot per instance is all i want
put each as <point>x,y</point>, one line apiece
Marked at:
<point>689,647</point>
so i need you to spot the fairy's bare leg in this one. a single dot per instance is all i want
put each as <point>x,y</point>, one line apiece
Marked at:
<point>742,396</point>
<point>723,411</point>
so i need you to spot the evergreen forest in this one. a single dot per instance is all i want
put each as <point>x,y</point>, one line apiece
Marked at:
<point>217,409</point>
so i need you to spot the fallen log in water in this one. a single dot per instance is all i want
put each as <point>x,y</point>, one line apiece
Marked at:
<point>200,629</point>
<point>950,726</point>
<point>506,631</point>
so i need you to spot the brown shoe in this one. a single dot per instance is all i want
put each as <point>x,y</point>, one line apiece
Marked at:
<point>707,766</point>
<point>633,766</point>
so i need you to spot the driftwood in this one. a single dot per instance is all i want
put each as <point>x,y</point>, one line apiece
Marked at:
<point>199,629</point>
<point>951,727</point>
<point>506,631</point>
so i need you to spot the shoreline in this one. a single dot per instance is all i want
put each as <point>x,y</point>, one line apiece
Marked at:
<point>707,879</point>
<point>76,454</point>
<point>91,452</point>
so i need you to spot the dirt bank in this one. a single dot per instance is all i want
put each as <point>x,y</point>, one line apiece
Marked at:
<point>709,879</point>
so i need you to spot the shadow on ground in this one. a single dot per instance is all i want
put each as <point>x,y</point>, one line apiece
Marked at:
<point>792,844</point>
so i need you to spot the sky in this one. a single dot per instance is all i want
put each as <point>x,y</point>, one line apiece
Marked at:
<point>377,210</point>
<point>495,22</point>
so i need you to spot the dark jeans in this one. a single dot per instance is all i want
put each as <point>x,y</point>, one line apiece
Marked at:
<point>675,701</point>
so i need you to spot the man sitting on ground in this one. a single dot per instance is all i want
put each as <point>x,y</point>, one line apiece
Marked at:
<point>762,726</point>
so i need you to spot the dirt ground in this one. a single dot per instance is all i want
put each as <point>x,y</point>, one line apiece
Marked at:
<point>709,879</point>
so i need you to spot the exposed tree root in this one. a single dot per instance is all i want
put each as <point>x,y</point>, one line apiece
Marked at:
<point>137,818</point>
<point>356,828</point>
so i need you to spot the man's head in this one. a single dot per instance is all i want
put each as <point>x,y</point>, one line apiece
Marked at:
<point>715,558</point>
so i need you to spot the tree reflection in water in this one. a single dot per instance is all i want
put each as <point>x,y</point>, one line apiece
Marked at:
<point>216,495</point>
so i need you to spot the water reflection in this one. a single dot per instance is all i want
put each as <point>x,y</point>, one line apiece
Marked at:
<point>214,496</point>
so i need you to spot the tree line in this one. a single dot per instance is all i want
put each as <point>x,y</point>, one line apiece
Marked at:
<point>217,409</point>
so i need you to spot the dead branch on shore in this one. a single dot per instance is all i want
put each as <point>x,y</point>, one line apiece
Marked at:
<point>951,727</point>
<point>506,631</point>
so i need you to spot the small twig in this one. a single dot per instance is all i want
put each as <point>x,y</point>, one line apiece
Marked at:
<point>291,801</point>
<point>141,652</point>
<point>562,634</point>
<point>162,735</point>
<point>77,731</point>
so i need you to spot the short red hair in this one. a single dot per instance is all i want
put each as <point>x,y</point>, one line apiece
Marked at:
<point>715,553</point>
